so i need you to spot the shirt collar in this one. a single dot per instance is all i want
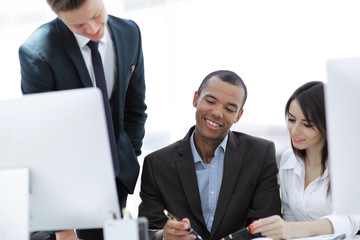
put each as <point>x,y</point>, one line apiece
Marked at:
<point>82,41</point>
<point>325,174</point>
<point>298,166</point>
<point>293,162</point>
<point>197,158</point>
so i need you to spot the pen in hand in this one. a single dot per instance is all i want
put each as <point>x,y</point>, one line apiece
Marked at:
<point>233,235</point>
<point>190,229</point>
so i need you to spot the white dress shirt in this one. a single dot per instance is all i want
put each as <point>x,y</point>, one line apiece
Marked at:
<point>312,203</point>
<point>108,57</point>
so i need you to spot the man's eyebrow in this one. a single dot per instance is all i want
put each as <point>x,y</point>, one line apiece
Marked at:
<point>233,105</point>
<point>77,24</point>
<point>210,96</point>
<point>97,13</point>
<point>213,97</point>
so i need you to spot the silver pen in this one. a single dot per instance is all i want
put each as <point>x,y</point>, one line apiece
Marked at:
<point>190,229</point>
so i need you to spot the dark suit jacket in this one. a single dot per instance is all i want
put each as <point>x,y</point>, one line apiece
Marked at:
<point>51,60</point>
<point>249,187</point>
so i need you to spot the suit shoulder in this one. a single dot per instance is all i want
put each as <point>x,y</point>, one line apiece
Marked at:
<point>44,37</point>
<point>165,151</point>
<point>124,24</point>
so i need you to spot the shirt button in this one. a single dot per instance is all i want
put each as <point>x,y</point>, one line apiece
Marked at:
<point>212,218</point>
<point>213,166</point>
<point>212,192</point>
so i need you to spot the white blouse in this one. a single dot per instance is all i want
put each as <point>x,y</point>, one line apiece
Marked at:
<point>312,203</point>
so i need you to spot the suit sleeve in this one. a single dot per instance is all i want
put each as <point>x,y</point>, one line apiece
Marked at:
<point>266,198</point>
<point>135,107</point>
<point>152,205</point>
<point>36,76</point>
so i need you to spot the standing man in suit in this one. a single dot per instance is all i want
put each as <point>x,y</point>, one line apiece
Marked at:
<point>56,57</point>
<point>216,180</point>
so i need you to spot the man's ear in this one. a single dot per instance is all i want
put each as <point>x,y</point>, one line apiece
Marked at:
<point>58,15</point>
<point>239,115</point>
<point>196,96</point>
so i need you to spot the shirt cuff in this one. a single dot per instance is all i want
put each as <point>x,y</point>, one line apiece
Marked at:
<point>340,223</point>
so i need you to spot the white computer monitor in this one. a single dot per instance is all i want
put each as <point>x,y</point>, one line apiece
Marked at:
<point>342,95</point>
<point>62,138</point>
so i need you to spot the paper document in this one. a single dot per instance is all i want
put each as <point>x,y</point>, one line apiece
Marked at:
<point>121,229</point>
<point>324,237</point>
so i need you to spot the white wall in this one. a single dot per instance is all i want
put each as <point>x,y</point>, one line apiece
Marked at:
<point>275,46</point>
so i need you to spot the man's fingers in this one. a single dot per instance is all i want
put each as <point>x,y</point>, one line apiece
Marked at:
<point>174,230</point>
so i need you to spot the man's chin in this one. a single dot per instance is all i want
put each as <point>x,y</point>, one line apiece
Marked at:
<point>96,37</point>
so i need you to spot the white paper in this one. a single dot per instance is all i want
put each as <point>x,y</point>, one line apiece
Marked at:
<point>321,237</point>
<point>121,229</point>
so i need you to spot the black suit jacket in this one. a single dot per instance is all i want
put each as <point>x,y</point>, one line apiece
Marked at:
<point>51,60</point>
<point>249,187</point>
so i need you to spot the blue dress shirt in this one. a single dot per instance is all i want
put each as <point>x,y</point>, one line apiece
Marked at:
<point>209,177</point>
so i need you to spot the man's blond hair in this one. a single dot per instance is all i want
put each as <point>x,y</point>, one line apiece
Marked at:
<point>65,5</point>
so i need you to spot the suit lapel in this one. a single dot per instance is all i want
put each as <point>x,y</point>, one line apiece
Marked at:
<point>232,164</point>
<point>187,174</point>
<point>73,50</point>
<point>120,53</point>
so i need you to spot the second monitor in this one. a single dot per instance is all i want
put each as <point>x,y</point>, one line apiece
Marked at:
<point>342,95</point>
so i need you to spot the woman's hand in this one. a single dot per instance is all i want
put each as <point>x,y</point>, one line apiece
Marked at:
<point>273,227</point>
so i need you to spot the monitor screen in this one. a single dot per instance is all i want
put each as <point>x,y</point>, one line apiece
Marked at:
<point>14,204</point>
<point>62,138</point>
<point>342,95</point>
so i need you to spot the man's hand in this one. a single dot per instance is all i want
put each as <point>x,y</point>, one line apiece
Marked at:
<point>174,230</point>
<point>66,235</point>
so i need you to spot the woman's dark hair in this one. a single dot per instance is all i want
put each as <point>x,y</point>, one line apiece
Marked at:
<point>310,97</point>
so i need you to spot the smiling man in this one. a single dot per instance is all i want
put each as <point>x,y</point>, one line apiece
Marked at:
<point>57,56</point>
<point>215,180</point>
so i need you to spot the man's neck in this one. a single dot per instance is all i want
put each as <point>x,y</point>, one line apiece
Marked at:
<point>206,147</point>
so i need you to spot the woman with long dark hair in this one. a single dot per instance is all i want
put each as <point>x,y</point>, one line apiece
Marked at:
<point>304,174</point>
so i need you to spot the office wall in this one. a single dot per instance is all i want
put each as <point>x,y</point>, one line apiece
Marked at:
<point>275,46</point>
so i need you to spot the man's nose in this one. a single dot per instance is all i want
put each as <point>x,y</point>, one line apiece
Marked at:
<point>218,112</point>
<point>92,27</point>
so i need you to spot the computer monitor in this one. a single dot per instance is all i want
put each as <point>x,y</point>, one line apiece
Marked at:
<point>14,204</point>
<point>342,95</point>
<point>62,138</point>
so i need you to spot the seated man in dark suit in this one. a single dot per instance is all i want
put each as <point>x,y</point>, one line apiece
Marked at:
<point>216,180</point>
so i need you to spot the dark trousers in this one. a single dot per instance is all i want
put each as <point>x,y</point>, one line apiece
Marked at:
<point>88,234</point>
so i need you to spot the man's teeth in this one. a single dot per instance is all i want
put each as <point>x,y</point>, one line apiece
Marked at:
<point>212,123</point>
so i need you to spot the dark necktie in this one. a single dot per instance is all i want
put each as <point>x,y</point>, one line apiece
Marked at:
<point>101,83</point>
